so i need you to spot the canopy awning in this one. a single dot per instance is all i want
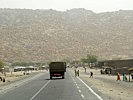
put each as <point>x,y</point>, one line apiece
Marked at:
<point>130,69</point>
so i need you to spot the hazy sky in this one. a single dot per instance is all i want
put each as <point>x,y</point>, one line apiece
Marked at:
<point>94,5</point>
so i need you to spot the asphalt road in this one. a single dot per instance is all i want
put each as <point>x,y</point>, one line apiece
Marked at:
<point>42,88</point>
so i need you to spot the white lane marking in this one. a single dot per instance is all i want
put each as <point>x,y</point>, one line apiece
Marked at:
<point>79,91</point>
<point>82,96</point>
<point>40,90</point>
<point>72,79</point>
<point>90,89</point>
<point>77,86</point>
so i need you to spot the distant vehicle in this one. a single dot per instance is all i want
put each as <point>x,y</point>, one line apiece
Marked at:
<point>57,69</point>
<point>105,70</point>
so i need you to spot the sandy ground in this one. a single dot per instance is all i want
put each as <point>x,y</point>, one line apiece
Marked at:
<point>11,77</point>
<point>115,90</point>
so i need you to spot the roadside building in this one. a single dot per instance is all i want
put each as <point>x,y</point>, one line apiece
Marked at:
<point>19,68</point>
<point>120,66</point>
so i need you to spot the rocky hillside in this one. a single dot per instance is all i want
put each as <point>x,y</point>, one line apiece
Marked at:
<point>40,35</point>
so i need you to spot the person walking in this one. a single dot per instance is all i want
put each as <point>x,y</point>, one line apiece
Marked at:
<point>85,69</point>
<point>4,80</point>
<point>118,77</point>
<point>91,74</point>
<point>77,72</point>
<point>132,76</point>
<point>0,78</point>
<point>123,76</point>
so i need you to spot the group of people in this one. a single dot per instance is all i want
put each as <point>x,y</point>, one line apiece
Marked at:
<point>76,70</point>
<point>124,77</point>
<point>119,78</point>
<point>91,75</point>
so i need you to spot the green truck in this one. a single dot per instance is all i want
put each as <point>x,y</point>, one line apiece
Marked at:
<point>57,69</point>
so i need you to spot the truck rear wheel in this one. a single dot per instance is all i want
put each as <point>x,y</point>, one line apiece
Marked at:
<point>63,77</point>
<point>50,77</point>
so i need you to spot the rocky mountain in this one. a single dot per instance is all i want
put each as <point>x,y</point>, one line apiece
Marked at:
<point>44,35</point>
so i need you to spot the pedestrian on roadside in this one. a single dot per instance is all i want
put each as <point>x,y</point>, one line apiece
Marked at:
<point>132,76</point>
<point>0,78</point>
<point>91,74</point>
<point>4,80</point>
<point>118,77</point>
<point>101,71</point>
<point>78,72</point>
<point>85,69</point>
<point>123,76</point>
<point>75,70</point>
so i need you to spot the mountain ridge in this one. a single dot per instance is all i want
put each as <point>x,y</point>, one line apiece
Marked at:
<point>44,35</point>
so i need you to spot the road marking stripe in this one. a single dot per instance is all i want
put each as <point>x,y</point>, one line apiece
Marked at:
<point>80,91</point>
<point>82,95</point>
<point>77,87</point>
<point>90,89</point>
<point>40,90</point>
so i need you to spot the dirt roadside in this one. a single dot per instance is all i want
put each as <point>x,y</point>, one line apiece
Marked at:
<point>107,85</point>
<point>16,76</point>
